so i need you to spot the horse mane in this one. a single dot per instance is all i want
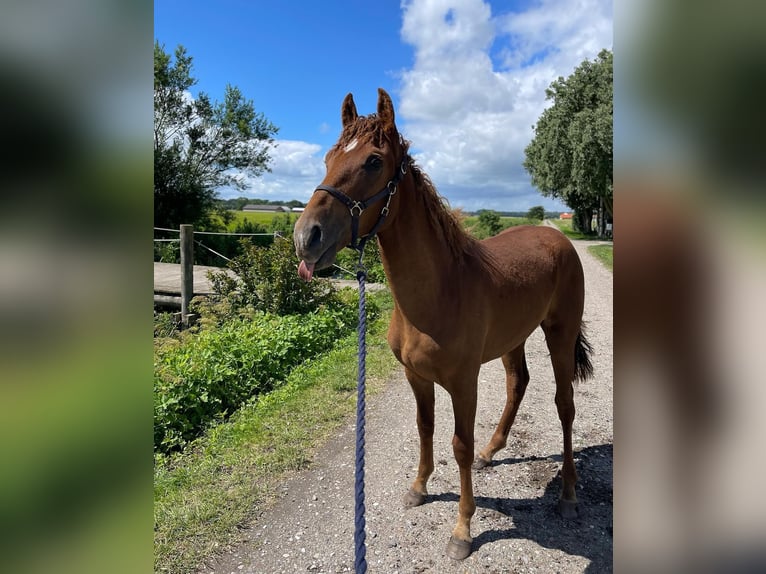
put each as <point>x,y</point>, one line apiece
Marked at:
<point>463,246</point>
<point>440,215</point>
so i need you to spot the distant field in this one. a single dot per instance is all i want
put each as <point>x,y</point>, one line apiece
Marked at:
<point>514,221</point>
<point>258,217</point>
<point>266,218</point>
<point>507,222</point>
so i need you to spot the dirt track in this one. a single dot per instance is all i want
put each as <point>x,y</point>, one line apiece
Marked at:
<point>515,528</point>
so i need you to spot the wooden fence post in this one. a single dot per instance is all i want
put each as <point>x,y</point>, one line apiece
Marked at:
<point>187,271</point>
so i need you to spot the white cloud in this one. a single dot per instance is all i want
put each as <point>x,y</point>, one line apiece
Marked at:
<point>468,103</point>
<point>478,86</point>
<point>296,169</point>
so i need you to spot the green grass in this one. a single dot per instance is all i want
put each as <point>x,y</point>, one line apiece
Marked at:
<point>565,226</point>
<point>258,217</point>
<point>262,218</point>
<point>507,222</point>
<point>471,224</point>
<point>514,221</point>
<point>202,496</point>
<point>604,253</point>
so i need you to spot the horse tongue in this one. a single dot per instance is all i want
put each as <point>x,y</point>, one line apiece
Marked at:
<point>306,270</point>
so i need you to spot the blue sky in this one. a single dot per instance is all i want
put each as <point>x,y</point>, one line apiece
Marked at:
<point>467,78</point>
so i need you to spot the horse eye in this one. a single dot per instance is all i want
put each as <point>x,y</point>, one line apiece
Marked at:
<point>373,162</point>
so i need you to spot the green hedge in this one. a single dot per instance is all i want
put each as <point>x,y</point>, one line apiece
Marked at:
<point>208,376</point>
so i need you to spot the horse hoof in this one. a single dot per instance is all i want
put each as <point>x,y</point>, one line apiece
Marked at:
<point>480,463</point>
<point>413,498</point>
<point>568,509</point>
<point>458,549</point>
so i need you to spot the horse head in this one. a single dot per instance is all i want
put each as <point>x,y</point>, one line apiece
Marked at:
<point>356,198</point>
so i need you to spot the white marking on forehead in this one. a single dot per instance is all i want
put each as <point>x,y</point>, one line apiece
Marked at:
<point>351,146</point>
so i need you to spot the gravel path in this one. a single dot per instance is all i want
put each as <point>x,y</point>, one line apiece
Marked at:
<point>515,528</point>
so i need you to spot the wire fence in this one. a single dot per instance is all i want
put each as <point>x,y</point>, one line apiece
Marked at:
<point>273,234</point>
<point>230,249</point>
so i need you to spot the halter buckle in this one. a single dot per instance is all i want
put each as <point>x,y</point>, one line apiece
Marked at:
<point>357,205</point>
<point>385,210</point>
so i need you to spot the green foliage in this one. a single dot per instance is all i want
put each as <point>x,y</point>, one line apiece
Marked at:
<point>200,145</point>
<point>488,224</point>
<point>225,215</point>
<point>536,213</point>
<point>205,377</point>
<point>260,217</point>
<point>570,156</point>
<point>165,324</point>
<point>266,279</point>
<point>167,251</point>
<point>566,226</point>
<point>198,508</point>
<point>347,259</point>
<point>283,224</point>
<point>604,253</point>
<point>471,224</point>
<point>230,246</point>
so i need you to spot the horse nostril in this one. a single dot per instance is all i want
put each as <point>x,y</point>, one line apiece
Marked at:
<point>315,237</point>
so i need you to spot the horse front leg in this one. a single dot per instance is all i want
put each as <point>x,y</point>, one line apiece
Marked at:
<point>424,397</point>
<point>464,407</point>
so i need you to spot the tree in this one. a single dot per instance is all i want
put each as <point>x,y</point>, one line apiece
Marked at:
<point>536,213</point>
<point>489,223</point>
<point>570,156</point>
<point>200,145</point>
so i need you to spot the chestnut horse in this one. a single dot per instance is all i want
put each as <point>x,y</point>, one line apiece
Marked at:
<point>459,302</point>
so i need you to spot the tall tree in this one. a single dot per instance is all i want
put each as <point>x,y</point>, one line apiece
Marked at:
<point>570,156</point>
<point>200,145</point>
<point>536,213</point>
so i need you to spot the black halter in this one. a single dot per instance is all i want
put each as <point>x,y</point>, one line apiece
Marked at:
<point>356,208</point>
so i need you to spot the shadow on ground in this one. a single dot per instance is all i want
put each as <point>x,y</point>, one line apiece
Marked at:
<point>589,536</point>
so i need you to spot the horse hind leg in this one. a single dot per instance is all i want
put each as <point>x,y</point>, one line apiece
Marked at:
<point>567,357</point>
<point>516,380</point>
<point>424,398</point>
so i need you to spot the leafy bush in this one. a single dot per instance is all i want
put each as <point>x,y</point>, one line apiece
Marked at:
<point>283,224</point>
<point>259,325</point>
<point>229,246</point>
<point>489,224</point>
<point>347,259</point>
<point>167,251</point>
<point>165,324</point>
<point>473,225</point>
<point>266,279</point>
<point>205,377</point>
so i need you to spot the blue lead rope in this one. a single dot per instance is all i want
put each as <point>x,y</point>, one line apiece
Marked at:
<point>360,559</point>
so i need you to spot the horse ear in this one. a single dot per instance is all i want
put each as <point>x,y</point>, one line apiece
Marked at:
<point>386,110</point>
<point>348,110</point>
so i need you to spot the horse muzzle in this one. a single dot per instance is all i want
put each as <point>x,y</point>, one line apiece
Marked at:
<point>315,245</point>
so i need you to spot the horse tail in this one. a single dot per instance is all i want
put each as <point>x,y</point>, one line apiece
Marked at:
<point>583,352</point>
